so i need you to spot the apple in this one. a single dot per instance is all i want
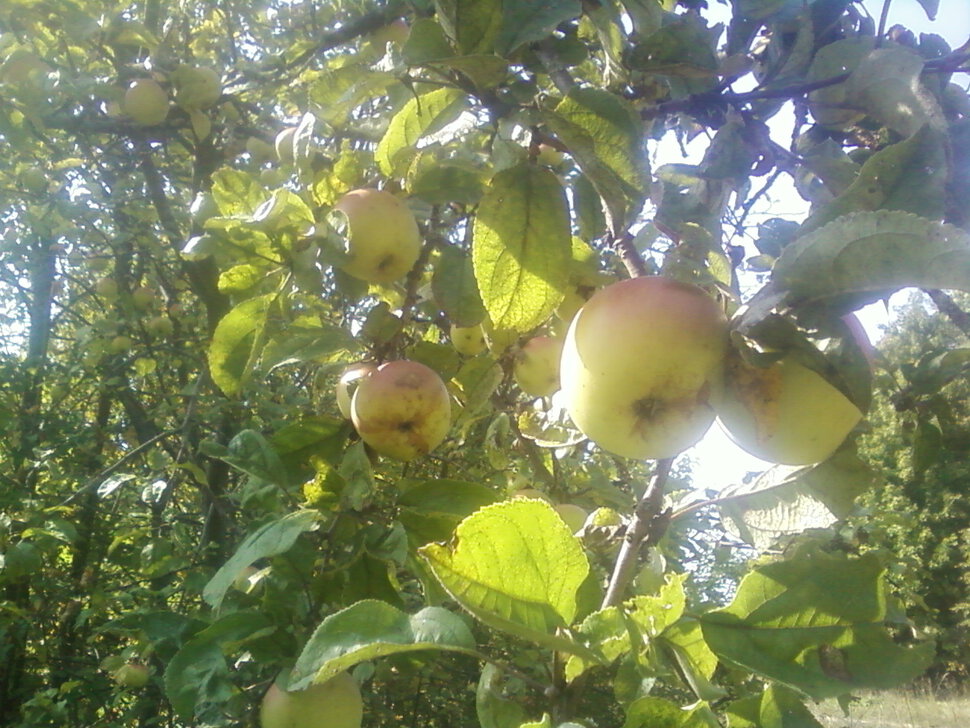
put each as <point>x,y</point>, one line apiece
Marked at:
<point>785,413</point>
<point>146,102</point>
<point>107,288</point>
<point>120,345</point>
<point>347,384</point>
<point>640,365</point>
<point>468,340</point>
<point>536,366</point>
<point>384,241</point>
<point>396,31</point>
<point>549,155</point>
<point>402,410</point>
<point>241,582</point>
<point>131,675</point>
<point>336,703</point>
<point>160,327</point>
<point>284,145</point>
<point>572,515</point>
<point>21,67</point>
<point>34,180</point>
<point>143,297</point>
<point>197,88</point>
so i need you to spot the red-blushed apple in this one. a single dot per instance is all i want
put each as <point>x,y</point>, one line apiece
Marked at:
<point>146,102</point>
<point>402,410</point>
<point>468,340</point>
<point>347,384</point>
<point>384,241</point>
<point>640,365</point>
<point>536,366</point>
<point>132,675</point>
<point>784,413</point>
<point>572,515</point>
<point>336,703</point>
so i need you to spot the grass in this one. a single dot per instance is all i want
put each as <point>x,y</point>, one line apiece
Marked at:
<point>914,708</point>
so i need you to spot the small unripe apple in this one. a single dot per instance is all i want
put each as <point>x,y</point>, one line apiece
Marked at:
<point>402,410</point>
<point>785,413</point>
<point>160,327</point>
<point>572,515</point>
<point>146,102</point>
<point>34,180</point>
<point>107,288</point>
<point>549,155</point>
<point>536,366</point>
<point>336,703</point>
<point>468,340</point>
<point>641,363</point>
<point>120,345</point>
<point>397,31</point>
<point>384,241</point>
<point>241,582</point>
<point>132,675</point>
<point>347,384</point>
<point>197,88</point>
<point>284,145</point>
<point>143,297</point>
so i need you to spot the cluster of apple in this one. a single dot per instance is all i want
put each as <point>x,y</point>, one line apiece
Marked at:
<point>146,102</point>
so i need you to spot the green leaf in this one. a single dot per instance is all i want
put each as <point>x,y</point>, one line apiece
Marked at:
<point>235,343</point>
<point>236,192</point>
<point>909,176</point>
<point>605,136</point>
<point>275,537</point>
<point>832,106</point>
<point>491,707</point>
<point>762,9</point>
<point>650,712</point>
<point>249,452</point>
<point>439,182</point>
<point>196,675</point>
<point>685,641</point>
<point>516,567</point>
<point>814,622</point>
<point>370,629</point>
<point>865,256</point>
<point>419,117</point>
<point>782,708</point>
<point>454,288</point>
<point>521,247</point>
<point>886,85</point>
<point>681,48</point>
<point>526,21</point>
<point>931,7</point>
<point>472,25</point>
<point>431,509</point>
<point>927,446</point>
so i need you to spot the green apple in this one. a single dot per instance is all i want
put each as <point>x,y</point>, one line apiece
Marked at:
<point>384,241</point>
<point>402,410</point>
<point>347,384</point>
<point>160,327</point>
<point>132,675</point>
<point>146,102</point>
<point>34,180</point>
<point>536,366</point>
<point>785,413</point>
<point>196,88</point>
<point>397,31</point>
<point>120,345</point>
<point>107,288</point>
<point>259,150</point>
<point>641,363</point>
<point>572,515</point>
<point>143,297</point>
<point>468,340</point>
<point>336,703</point>
<point>549,155</point>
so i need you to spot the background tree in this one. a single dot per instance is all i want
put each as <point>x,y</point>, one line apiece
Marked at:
<point>186,515</point>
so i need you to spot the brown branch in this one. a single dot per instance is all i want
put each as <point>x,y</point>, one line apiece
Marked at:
<point>630,256</point>
<point>648,525</point>
<point>948,307</point>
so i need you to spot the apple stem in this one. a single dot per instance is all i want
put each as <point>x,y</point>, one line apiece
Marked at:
<point>648,524</point>
<point>630,256</point>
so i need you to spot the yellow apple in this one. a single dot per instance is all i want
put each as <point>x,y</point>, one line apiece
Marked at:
<point>785,413</point>
<point>336,703</point>
<point>402,410</point>
<point>572,515</point>
<point>131,675</point>
<point>146,102</point>
<point>196,88</point>
<point>640,365</point>
<point>536,366</point>
<point>468,340</point>
<point>347,384</point>
<point>384,241</point>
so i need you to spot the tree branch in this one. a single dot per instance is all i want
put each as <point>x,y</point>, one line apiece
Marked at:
<point>948,307</point>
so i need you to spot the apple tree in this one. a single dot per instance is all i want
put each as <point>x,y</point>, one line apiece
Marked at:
<point>350,348</point>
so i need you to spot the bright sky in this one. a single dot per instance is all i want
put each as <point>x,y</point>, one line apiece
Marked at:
<point>718,462</point>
